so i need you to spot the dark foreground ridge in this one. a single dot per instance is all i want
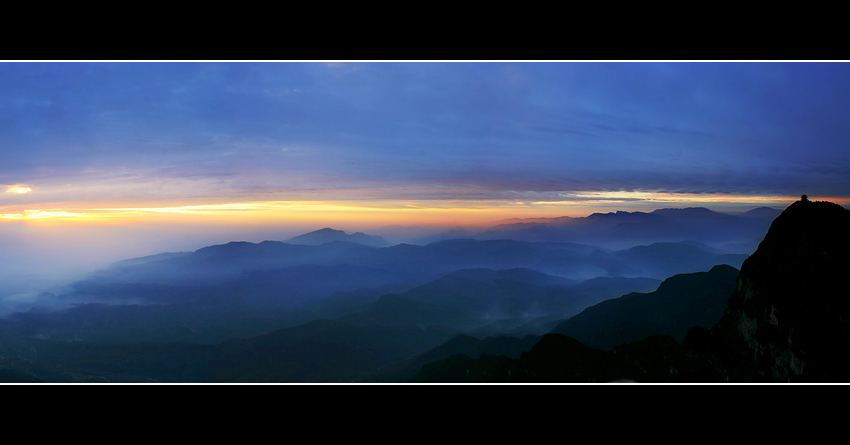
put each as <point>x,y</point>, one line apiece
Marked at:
<point>681,301</point>
<point>786,321</point>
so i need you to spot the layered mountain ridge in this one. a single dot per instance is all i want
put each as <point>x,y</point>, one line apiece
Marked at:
<point>787,320</point>
<point>386,311</point>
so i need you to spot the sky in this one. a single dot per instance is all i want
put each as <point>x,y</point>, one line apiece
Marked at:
<point>164,156</point>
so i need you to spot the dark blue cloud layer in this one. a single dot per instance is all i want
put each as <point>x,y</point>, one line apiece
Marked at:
<point>748,128</point>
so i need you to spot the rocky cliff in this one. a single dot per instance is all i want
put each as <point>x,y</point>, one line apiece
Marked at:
<point>787,319</point>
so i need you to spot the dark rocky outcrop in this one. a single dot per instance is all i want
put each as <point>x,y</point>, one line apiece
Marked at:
<point>788,319</point>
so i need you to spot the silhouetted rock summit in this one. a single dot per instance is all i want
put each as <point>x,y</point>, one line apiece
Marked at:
<point>787,320</point>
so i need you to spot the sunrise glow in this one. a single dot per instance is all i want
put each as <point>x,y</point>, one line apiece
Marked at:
<point>20,190</point>
<point>399,211</point>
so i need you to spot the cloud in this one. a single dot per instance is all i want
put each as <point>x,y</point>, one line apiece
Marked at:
<point>19,189</point>
<point>451,130</point>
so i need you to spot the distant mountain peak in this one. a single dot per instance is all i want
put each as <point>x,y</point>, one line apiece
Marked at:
<point>762,212</point>
<point>329,235</point>
<point>686,210</point>
<point>328,230</point>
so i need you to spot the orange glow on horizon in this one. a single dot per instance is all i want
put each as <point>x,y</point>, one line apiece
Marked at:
<point>386,212</point>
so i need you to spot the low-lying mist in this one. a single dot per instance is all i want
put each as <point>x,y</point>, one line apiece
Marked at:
<point>38,256</point>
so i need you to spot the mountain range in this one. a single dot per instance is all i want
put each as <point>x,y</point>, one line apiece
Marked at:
<point>784,321</point>
<point>464,310</point>
<point>732,233</point>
